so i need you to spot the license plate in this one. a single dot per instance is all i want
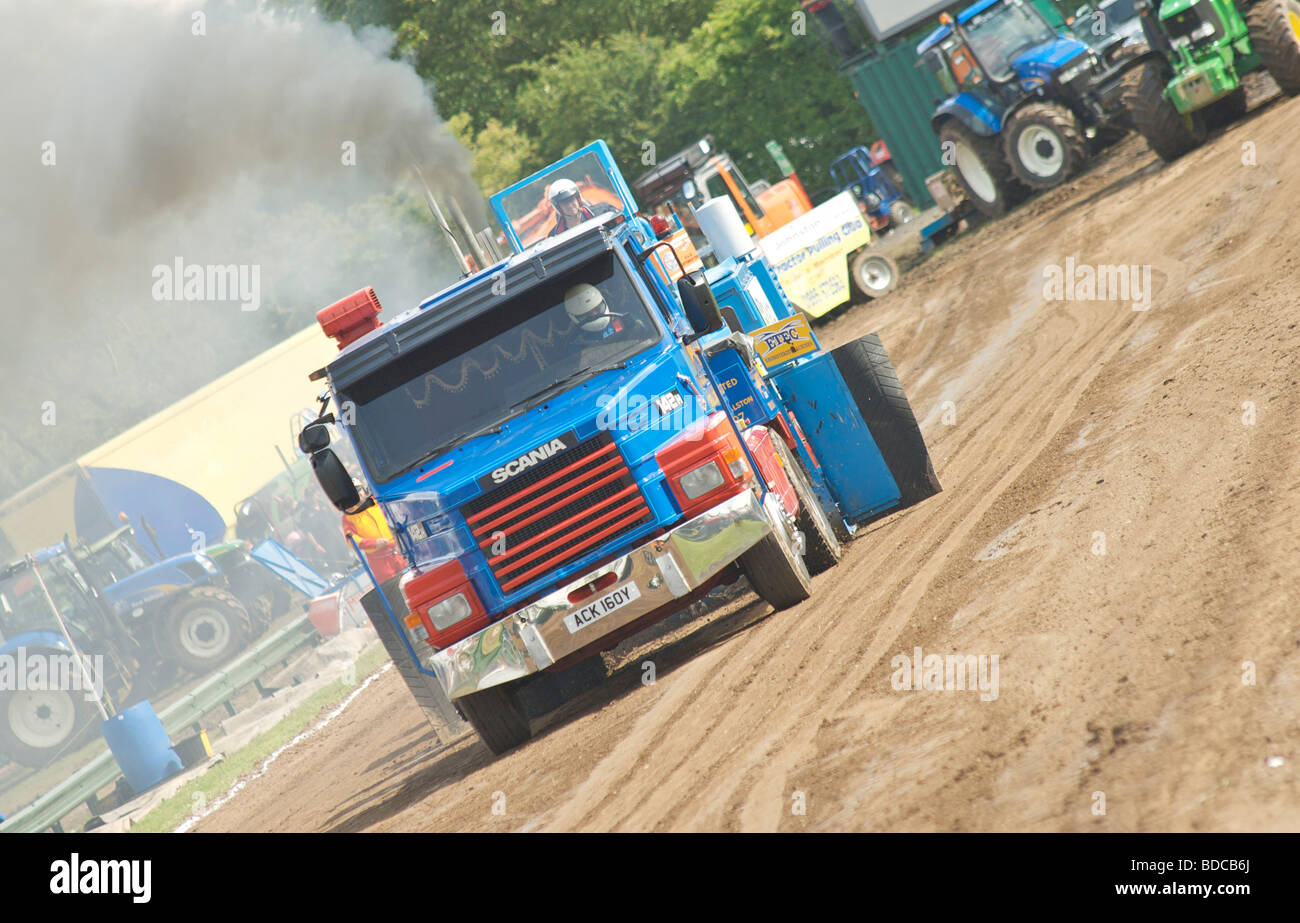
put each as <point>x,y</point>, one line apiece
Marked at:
<point>597,609</point>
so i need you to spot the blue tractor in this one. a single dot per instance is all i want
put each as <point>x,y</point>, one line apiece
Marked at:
<point>1026,105</point>
<point>146,621</point>
<point>878,195</point>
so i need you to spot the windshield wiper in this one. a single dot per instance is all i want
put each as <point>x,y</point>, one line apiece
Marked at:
<point>534,399</point>
<point>468,437</point>
<point>519,406</point>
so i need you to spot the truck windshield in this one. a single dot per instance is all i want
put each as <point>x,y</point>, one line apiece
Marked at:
<point>1002,33</point>
<point>480,374</point>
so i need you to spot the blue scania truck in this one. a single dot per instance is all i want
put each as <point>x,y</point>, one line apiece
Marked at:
<point>584,438</point>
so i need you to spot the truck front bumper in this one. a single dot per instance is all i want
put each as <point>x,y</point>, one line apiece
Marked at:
<point>645,579</point>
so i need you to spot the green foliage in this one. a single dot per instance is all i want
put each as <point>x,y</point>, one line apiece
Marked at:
<point>502,153</point>
<point>532,80</point>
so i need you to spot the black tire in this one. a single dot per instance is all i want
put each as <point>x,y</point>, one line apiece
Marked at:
<point>498,717</point>
<point>822,549</point>
<point>438,709</point>
<point>1274,27</point>
<point>205,628</point>
<point>1044,144</point>
<point>983,172</point>
<point>1226,110</point>
<point>776,573</point>
<point>902,212</point>
<point>37,728</point>
<point>873,274</point>
<point>874,384</point>
<point>1168,134</point>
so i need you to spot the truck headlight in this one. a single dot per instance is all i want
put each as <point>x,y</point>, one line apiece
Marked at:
<point>699,481</point>
<point>207,564</point>
<point>450,611</point>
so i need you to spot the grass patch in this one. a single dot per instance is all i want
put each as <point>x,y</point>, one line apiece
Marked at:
<point>217,781</point>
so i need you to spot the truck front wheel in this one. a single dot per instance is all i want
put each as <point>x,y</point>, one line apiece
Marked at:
<point>498,717</point>
<point>1275,32</point>
<point>777,572</point>
<point>442,715</point>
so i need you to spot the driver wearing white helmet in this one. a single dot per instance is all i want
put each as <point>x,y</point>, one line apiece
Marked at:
<point>570,209</point>
<point>591,315</point>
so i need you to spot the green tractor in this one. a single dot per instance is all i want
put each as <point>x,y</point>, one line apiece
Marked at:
<point>1199,50</point>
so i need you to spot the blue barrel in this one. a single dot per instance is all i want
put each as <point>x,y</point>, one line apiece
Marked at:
<point>141,747</point>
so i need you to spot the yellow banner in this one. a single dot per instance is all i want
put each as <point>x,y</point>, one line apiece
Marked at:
<point>810,254</point>
<point>782,341</point>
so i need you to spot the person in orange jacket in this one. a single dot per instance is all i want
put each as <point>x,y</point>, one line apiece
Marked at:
<point>375,539</point>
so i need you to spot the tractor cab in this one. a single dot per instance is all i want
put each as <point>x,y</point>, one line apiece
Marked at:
<point>26,618</point>
<point>877,195</point>
<point>998,48</point>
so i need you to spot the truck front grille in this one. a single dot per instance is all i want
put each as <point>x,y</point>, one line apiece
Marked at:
<point>556,512</point>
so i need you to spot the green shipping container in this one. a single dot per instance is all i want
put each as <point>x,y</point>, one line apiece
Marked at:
<point>899,97</point>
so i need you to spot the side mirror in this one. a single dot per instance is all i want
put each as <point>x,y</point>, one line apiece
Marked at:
<point>313,438</point>
<point>335,480</point>
<point>701,307</point>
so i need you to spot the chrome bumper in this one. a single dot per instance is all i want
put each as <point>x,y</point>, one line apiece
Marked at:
<point>670,566</point>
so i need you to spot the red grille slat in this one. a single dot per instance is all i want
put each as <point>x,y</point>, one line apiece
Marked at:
<point>485,540</point>
<point>557,511</point>
<point>616,470</point>
<point>513,499</point>
<point>577,522</point>
<point>626,523</point>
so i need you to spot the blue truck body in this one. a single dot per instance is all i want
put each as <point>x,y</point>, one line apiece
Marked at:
<point>511,524</point>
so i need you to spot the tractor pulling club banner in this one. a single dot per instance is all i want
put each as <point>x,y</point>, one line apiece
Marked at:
<point>811,253</point>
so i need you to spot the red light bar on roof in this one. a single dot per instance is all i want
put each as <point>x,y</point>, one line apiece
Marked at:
<point>351,318</point>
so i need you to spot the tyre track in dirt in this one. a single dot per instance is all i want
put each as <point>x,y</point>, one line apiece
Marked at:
<point>1072,417</point>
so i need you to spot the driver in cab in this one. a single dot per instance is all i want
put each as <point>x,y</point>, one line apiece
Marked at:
<point>594,322</point>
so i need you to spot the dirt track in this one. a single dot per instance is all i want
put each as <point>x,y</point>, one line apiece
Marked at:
<point>1077,423</point>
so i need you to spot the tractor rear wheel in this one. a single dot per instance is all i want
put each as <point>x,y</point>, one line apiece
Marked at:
<point>981,169</point>
<point>206,628</point>
<point>1168,133</point>
<point>39,726</point>
<point>1275,32</point>
<point>873,274</point>
<point>1044,144</point>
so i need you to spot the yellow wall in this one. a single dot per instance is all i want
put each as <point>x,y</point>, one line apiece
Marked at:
<point>221,439</point>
